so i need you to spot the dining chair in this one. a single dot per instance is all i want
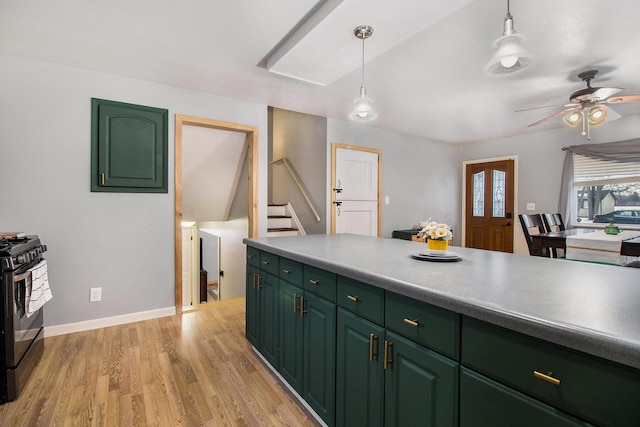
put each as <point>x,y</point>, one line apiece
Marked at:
<point>553,222</point>
<point>533,224</point>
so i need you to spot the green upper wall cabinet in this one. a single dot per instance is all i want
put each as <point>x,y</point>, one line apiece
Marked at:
<point>129,147</point>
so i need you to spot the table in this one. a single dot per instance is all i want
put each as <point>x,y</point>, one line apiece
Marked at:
<point>557,240</point>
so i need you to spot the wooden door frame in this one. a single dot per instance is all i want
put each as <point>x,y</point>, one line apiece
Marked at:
<point>463,220</point>
<point>334,147</point>
<point>251,138</point>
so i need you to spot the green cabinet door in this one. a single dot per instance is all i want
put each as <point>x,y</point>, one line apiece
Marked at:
<point>421,386</point>
<point>251,314</point>
<point>291,332</point>
<point>484,402</point>
<point>268,315</point>
<point>129,147</point>
<point>359,372</point>
<point>319,356</point>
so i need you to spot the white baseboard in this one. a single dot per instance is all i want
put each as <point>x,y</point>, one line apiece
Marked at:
<point>87,325</point>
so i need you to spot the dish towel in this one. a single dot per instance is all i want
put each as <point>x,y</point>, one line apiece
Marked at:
<point>598,246</point>
<point>38,293</point>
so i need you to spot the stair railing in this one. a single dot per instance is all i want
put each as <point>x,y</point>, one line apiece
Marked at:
<point>296,179</point>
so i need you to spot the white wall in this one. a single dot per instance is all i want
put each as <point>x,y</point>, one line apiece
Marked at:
<point>421,177</point>
<point>121,242</point>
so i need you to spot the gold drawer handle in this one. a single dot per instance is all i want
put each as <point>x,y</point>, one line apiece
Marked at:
<point>352,298</point>
<point>286,271</point>
<point>546,377</point>
<point>249,256</point>
<point>295,300</point>
<point>265,262</point>
<point>387,360</point>
<point>412,322</point>
<point>372,340</point>
<point>314,282</point>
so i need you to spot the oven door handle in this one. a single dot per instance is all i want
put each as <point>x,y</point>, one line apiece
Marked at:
<point>21,276</point>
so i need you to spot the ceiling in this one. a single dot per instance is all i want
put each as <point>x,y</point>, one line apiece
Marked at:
<point>424,75</point>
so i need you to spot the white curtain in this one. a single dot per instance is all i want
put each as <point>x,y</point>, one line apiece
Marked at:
<point>621,151</point>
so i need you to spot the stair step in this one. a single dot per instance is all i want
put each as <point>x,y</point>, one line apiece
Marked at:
<point>282,229</point>
<point>279,222</point>
<point>277,210</point>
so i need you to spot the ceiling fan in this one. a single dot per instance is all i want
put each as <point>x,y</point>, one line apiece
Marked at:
<point>588,103</point>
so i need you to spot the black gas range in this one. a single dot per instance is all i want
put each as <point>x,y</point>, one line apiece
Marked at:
<point>21,342</point>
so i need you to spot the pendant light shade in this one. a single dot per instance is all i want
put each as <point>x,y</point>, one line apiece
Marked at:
<point>510,55</point>
<point>363,111</point>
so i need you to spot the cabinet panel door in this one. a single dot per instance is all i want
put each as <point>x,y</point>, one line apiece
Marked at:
<point>484,402</point>
<point>291,346</point>
<point>128,147</point>
<point>359,373</point>
<point>251,315</point>
<point>421,386</point>
<point>268,315</point>
<point>319,356</point>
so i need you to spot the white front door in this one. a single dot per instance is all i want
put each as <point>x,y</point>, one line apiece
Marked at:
<point>355,200</point>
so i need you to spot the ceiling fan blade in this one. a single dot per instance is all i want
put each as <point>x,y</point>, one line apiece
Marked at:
<point>553,116</point>
<point>611,113</point>
<point>623,98</point>
<point>548,106</point>
<point>602,93</point>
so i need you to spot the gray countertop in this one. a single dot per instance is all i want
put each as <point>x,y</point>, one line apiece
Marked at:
<point>588,307</point>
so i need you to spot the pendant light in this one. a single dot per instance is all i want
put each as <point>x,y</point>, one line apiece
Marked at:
<point>363,110</point>
<point>510,55</point>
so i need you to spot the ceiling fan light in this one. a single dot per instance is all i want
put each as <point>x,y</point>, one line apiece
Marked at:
<point>597,116</point>
<point>362,111</point>
<point>573,119</point>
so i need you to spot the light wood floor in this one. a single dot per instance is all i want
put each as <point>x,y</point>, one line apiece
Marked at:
<point>189,370</point>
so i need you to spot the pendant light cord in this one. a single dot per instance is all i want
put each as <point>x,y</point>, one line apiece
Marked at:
<point>363,62</point>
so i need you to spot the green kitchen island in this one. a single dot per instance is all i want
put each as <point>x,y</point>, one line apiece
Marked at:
<point>365,335</point>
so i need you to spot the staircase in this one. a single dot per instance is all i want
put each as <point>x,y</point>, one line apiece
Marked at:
<point>282,221</point>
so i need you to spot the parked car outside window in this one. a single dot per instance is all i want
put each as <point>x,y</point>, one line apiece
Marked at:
<point>627,216</point>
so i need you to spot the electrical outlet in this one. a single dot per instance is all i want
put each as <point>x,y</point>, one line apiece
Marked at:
<point>95,295</point>
<point>531,206</point>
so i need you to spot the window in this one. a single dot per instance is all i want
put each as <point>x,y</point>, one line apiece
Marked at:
<point>606,187</point>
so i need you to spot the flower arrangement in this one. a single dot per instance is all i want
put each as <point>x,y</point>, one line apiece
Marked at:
<point>436,231</point>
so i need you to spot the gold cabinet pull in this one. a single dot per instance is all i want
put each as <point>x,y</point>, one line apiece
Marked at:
<point>411,322</point>
<point>249,256</point>
<point>265,262</point>
<point>303,310</point>
<point>314,282</point>
<point>255,277</point>
<point>373,339</point>
<point>295,299</point>
<point>259,280</point>
<point>102,178</point>
<point>546,377</point>
<point>286,271</point>
<point>352,298</point>
<point>387,360</point>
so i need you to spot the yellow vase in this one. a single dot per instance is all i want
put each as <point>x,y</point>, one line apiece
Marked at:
<point>437,245</point>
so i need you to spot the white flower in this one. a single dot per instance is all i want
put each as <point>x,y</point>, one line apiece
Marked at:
<point>436,231</point>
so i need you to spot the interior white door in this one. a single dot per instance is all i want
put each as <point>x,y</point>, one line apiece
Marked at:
<point>187,295</point>
<point>356,193</point>
<point>356,175</point>
<point>357,217</point>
